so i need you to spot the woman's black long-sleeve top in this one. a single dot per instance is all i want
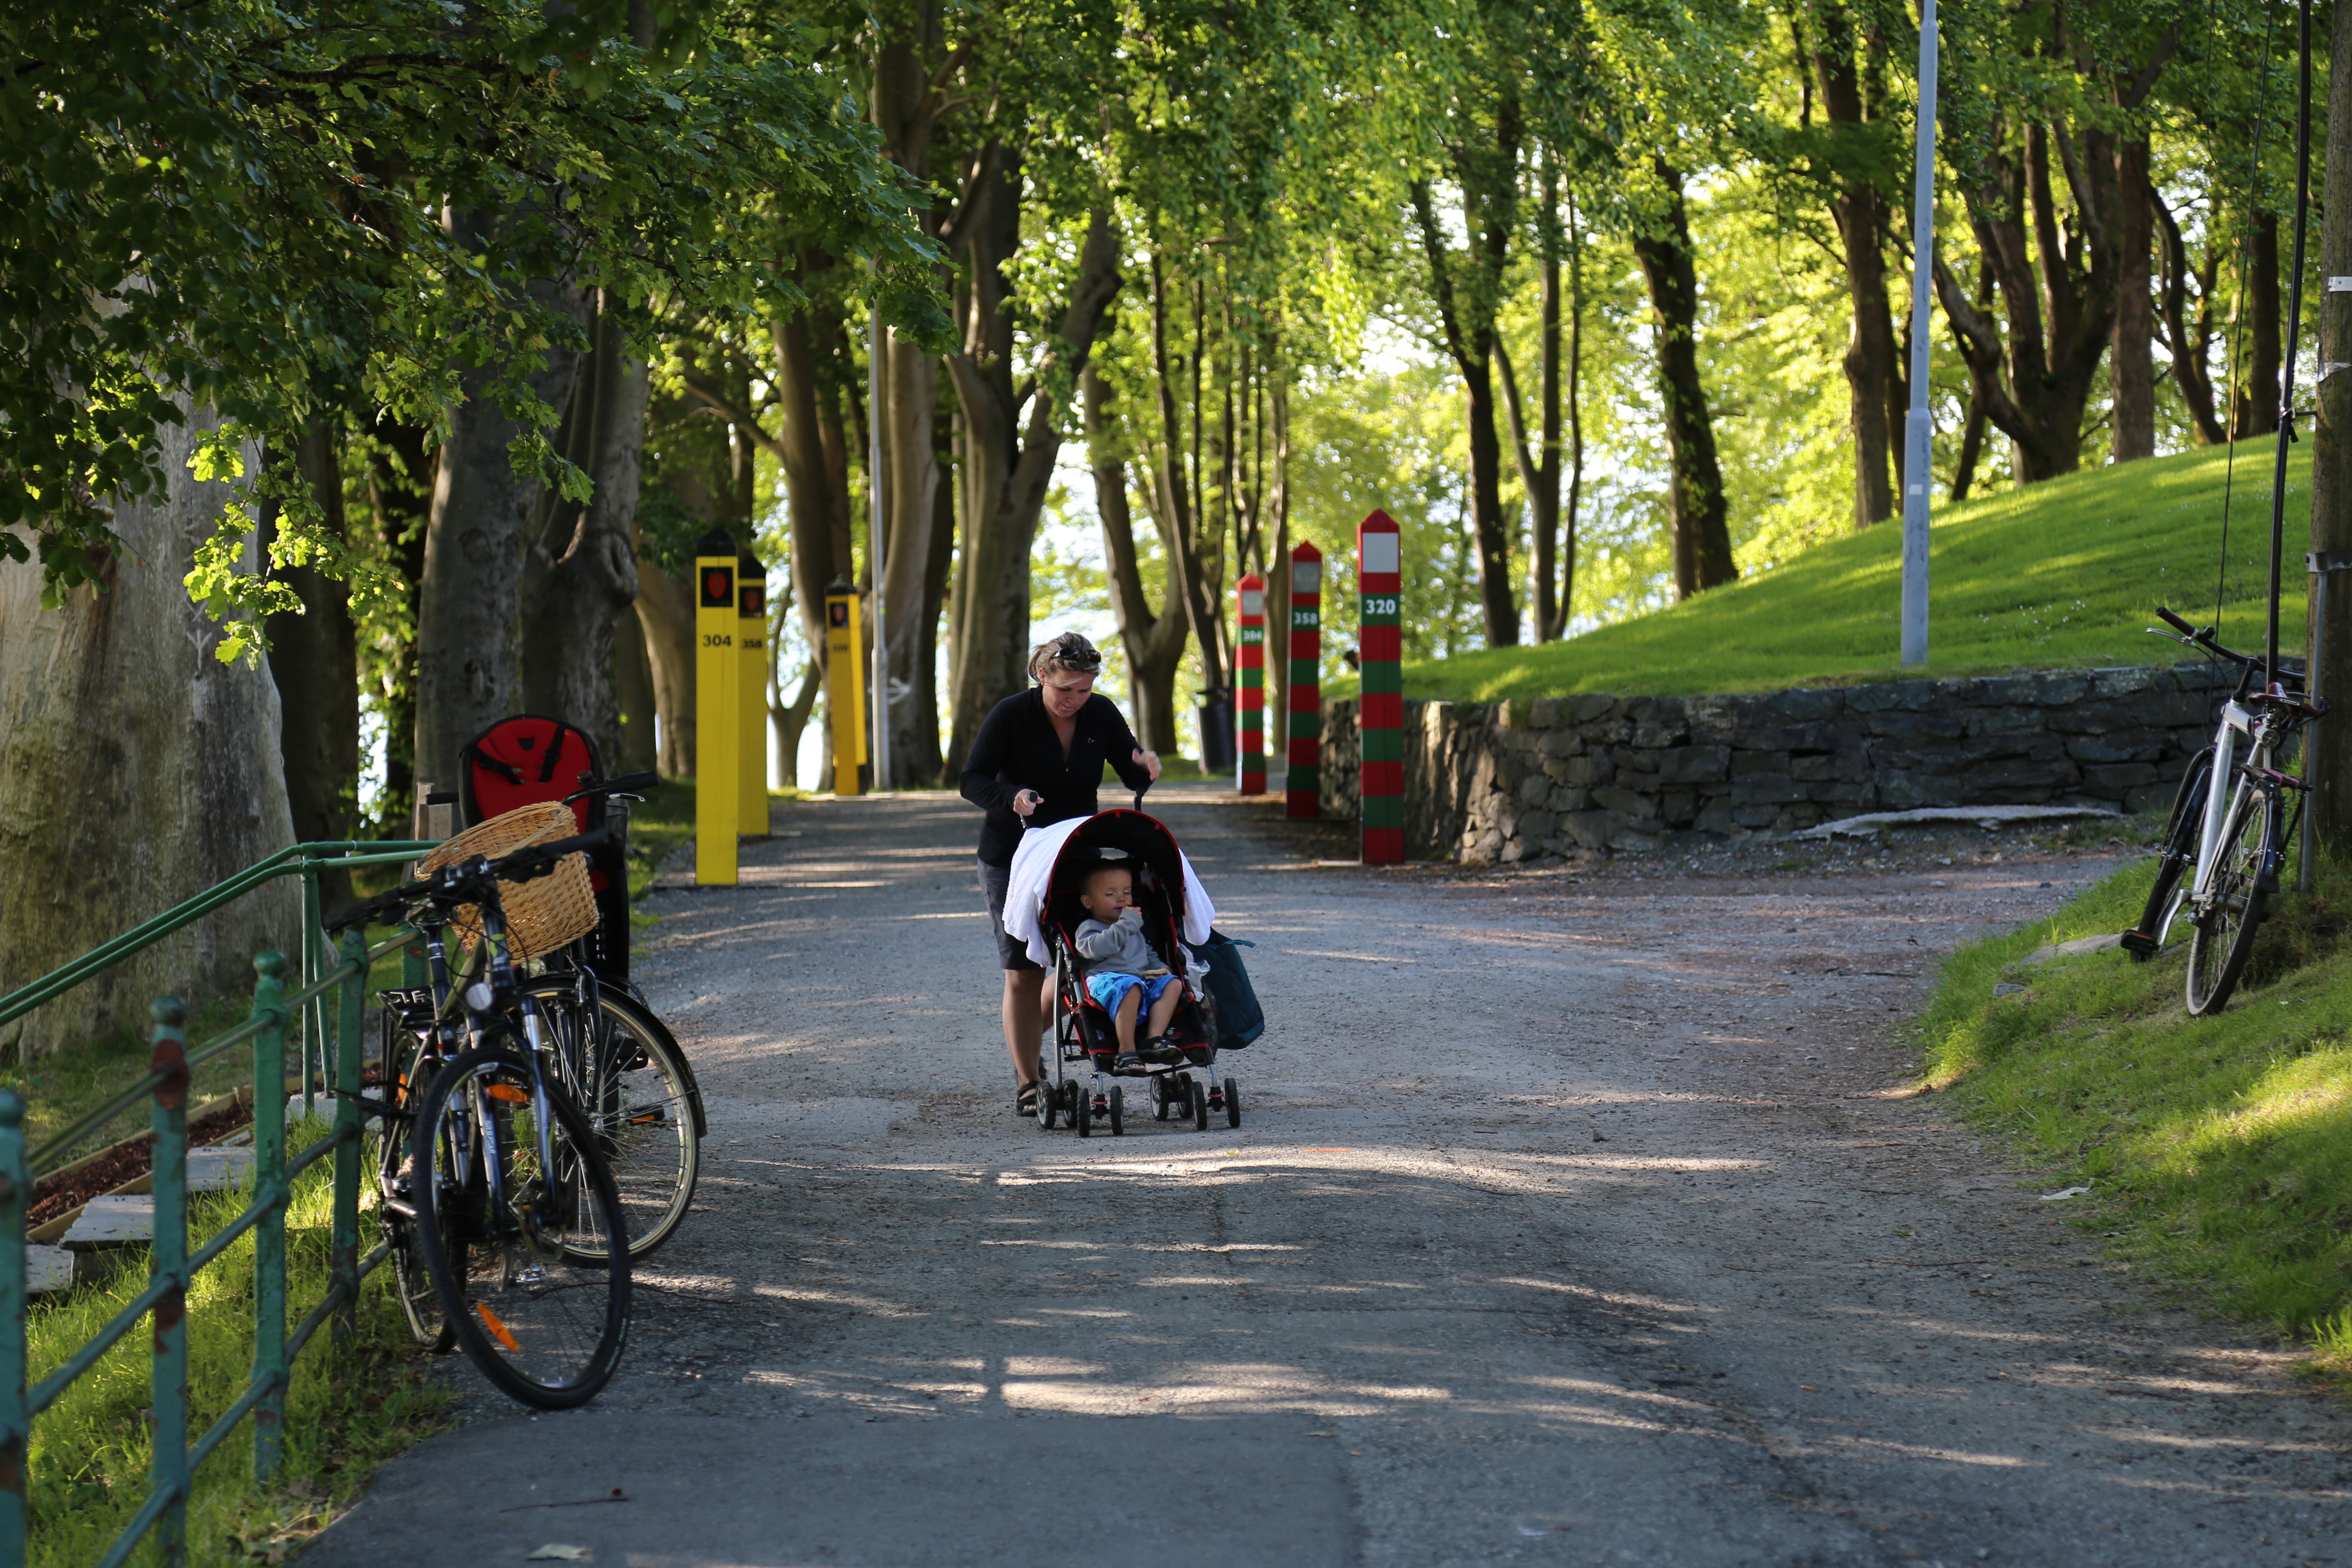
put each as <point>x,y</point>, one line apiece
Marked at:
<point>1016,749</point>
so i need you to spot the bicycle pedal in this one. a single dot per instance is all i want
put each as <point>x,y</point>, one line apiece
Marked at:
<point>2138,941</point>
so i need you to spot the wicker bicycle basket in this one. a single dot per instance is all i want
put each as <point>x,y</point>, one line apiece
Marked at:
<point>542,914</point>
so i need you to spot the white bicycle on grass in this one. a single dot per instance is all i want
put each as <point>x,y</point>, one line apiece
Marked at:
<point>2234,839</point>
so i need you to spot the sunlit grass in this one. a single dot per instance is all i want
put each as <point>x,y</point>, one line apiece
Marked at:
<point>2219,1151</point>
<point>351,1406</point>
<point>2060,575</point>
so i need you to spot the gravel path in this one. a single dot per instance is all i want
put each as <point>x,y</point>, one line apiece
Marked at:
<point>1573,1220</point>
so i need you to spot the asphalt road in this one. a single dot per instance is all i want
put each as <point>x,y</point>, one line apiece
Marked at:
<point>1569,1222</point>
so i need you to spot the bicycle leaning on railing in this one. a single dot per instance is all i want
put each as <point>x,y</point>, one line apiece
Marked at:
<point>498,1206</point>
<point>2227,845</point>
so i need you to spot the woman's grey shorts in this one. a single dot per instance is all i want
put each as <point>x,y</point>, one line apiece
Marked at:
<point>1013,950</point>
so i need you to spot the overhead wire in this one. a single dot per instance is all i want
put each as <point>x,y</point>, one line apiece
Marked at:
<point>2245,240</point>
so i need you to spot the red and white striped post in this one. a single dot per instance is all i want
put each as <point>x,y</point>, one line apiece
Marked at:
<point>1303,787</point>
<point>1380,707</point>
<point>1251,759</point>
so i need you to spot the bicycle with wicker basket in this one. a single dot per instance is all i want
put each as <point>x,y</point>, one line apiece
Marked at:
<point>617,1061</point>
<point>503,1223</point>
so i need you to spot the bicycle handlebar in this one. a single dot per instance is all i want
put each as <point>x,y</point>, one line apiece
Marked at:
<point>2200,638</point>
<point>464,882</point>
<point>627,784</point>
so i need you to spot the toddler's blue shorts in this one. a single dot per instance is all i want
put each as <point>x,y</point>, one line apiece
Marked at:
<point>1111,987</point>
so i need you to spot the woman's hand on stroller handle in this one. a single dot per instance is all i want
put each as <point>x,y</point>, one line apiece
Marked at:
<point>1026,800</point>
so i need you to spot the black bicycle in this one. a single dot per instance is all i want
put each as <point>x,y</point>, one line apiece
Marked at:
<point>506,1228</point>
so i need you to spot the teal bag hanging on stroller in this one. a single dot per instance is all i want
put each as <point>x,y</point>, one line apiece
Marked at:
<point>1240,1019</point>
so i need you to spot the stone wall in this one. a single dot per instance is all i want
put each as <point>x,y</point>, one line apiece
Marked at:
<point>1513,781</point>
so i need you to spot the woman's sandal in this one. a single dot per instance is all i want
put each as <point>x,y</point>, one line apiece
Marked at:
<point>1024,1099</point>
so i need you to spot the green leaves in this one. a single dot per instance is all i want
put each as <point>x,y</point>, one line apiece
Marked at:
<point>285,215</point>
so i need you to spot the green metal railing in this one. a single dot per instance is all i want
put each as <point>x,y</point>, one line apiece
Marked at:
<point>303,860</point>
<point>172,1265</point>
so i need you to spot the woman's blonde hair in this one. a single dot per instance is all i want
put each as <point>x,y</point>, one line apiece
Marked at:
<point>1068,651</point>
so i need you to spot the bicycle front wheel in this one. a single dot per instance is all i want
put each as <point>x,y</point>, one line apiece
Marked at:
<point>628,1073</point>
<point>2236,899</point>
<point>539,1295</point>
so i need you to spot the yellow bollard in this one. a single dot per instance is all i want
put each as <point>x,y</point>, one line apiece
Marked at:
<point>845,686</point>
<point>717,727</point>
<point>751,680</point>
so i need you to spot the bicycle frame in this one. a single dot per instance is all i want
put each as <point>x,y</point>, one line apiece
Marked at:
<point>2236,720</point>
<point>451,1002</point>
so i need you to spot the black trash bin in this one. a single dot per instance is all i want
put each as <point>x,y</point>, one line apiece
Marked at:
<point>1216,713</point>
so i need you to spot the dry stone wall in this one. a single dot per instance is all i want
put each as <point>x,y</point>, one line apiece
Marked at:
<point>1516,781</point>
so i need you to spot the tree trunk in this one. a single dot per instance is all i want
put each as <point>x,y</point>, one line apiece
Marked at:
<point>1696,510</point>
<point>136,770</point>
<point>636,748</point>
<point>666,619</point>
<point>2190,343</point>
<point>1154,643</point>
<point>2256,401</point>
<point>1973,437</point>
<point>924,696</point>
<point>314,661</point>
<point>1015,465</point>
<point>1471,341</point>
<point>1190,576</point>
<point>815,497</point>
<point>580,572</point>
<point>400,495</point>
<point>911,491</point>
<point>2131,362</point>
<point>910,93</point>
<point>1859,211</point>
<point>2330,763</point>
<point>1278,582</point>
<point>469,624</point>
<point>788,722</point>
<point>2060,315</point>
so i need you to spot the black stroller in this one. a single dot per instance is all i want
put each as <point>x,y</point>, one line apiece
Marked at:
<point>1080,1091</point>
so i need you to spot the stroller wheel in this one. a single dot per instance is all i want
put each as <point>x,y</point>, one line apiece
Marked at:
<point>1045,1107</point>
<point>1232,1103</point>
<point>1118,1100</point>
<point>1197,1094</point>
<point>1159,1098</point>
<point>1082,1112</point>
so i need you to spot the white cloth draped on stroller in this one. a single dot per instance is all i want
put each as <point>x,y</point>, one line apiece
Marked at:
<point>1033,872</point>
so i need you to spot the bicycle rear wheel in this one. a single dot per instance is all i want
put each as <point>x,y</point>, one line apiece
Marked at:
<point>2176,854</point>
<point>539,1293</point>
<point>2236,899</point>
<point>626,1071</point>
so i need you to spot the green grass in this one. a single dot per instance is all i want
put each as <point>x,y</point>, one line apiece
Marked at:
<point>2060,575</point>
<point>2219,1151</point>
<point>350,1406</point>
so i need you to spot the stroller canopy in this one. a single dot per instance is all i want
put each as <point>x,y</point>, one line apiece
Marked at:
<point>1048,857</point>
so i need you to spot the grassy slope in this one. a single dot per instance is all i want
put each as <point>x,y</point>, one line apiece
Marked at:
<point>2060,574</point>
<point>2219,1151</point>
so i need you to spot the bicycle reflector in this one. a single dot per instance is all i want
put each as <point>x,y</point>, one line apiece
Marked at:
<point>509,1093</point>
<point>497,1327</point>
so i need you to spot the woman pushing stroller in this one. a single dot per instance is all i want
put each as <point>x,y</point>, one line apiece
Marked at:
<point>1039,759</point>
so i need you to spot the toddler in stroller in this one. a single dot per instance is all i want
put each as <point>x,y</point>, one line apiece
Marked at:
<point>1108,902</point>
<point>1123,974</point>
